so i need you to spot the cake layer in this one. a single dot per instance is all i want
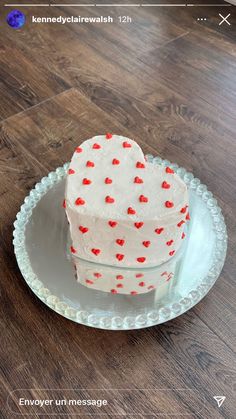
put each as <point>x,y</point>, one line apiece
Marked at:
<point>127,281</point>
<point>121,209</point>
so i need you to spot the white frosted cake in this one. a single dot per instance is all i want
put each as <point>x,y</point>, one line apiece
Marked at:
<point>116,280</point>
<point>122,210</point>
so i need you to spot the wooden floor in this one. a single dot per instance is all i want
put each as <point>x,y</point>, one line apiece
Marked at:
<point>168,81</point>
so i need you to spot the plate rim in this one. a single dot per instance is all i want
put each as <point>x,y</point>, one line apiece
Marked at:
<point>154,317</point>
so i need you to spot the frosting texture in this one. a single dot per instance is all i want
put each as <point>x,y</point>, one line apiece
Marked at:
<point>126,281</point>
<point>122,210</point>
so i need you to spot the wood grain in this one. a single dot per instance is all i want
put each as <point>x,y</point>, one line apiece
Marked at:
<point>168,82</point>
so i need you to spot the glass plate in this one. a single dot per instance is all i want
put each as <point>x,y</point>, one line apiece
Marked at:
<point>40,243</point>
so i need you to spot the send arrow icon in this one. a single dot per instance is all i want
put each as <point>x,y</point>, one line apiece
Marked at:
<point>219,400</point>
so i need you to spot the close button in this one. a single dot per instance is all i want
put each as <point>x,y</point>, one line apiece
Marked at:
<point>224,19</point>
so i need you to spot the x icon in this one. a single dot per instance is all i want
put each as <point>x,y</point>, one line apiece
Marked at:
<point>224,19</point>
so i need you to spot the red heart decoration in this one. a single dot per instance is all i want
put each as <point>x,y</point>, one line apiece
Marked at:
<point>184,209</point>
<point>86,181</point>
<point>88,281</point>
<point>96,251</point>
<point>78,150</point>
<point>140,165</point>
<point>108,180</point>
<point>172,252</point>
<point>183,236</point>
<point>79,201</point>
<point>109,200</point>
<point>146,243</point>
<point>142,284</point>
<point>96,146</point>
<point>72,249</point>
<point>139,275</point>
<point>119,256</point>
<point>138,180</point>
<point>133,293</point>
<point>141,259</point>
<point>120,242</point>
<point>119,277</point>
<point>130,210</point>
<point>108,136</point>
<point>83,229</point>
<point>97,275</point>
<point>71,172</point>
<point>170,242</point>
<point>126,144</point>
<point>115,161</point>
<point>112,223</point>
<point>138,225</point>
<point>114,291</point>
<point>120,286</point>
<point>90,163</point>
<point>164,273</point>
<point>159,230</point>
<point>169,204</point>
<point>169,170</point>
<point>165,185</point>
<point>64,203</point>
<point>187,217</point>
<point>180,223</point>
<point>143,198</point>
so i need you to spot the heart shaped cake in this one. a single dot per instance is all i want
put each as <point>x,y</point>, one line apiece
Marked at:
<point>122,210</point>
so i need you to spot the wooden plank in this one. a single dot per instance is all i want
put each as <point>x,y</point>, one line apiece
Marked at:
<point>24,82</point>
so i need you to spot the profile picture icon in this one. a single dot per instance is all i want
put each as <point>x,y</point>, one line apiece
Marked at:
<point>16,19</point>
